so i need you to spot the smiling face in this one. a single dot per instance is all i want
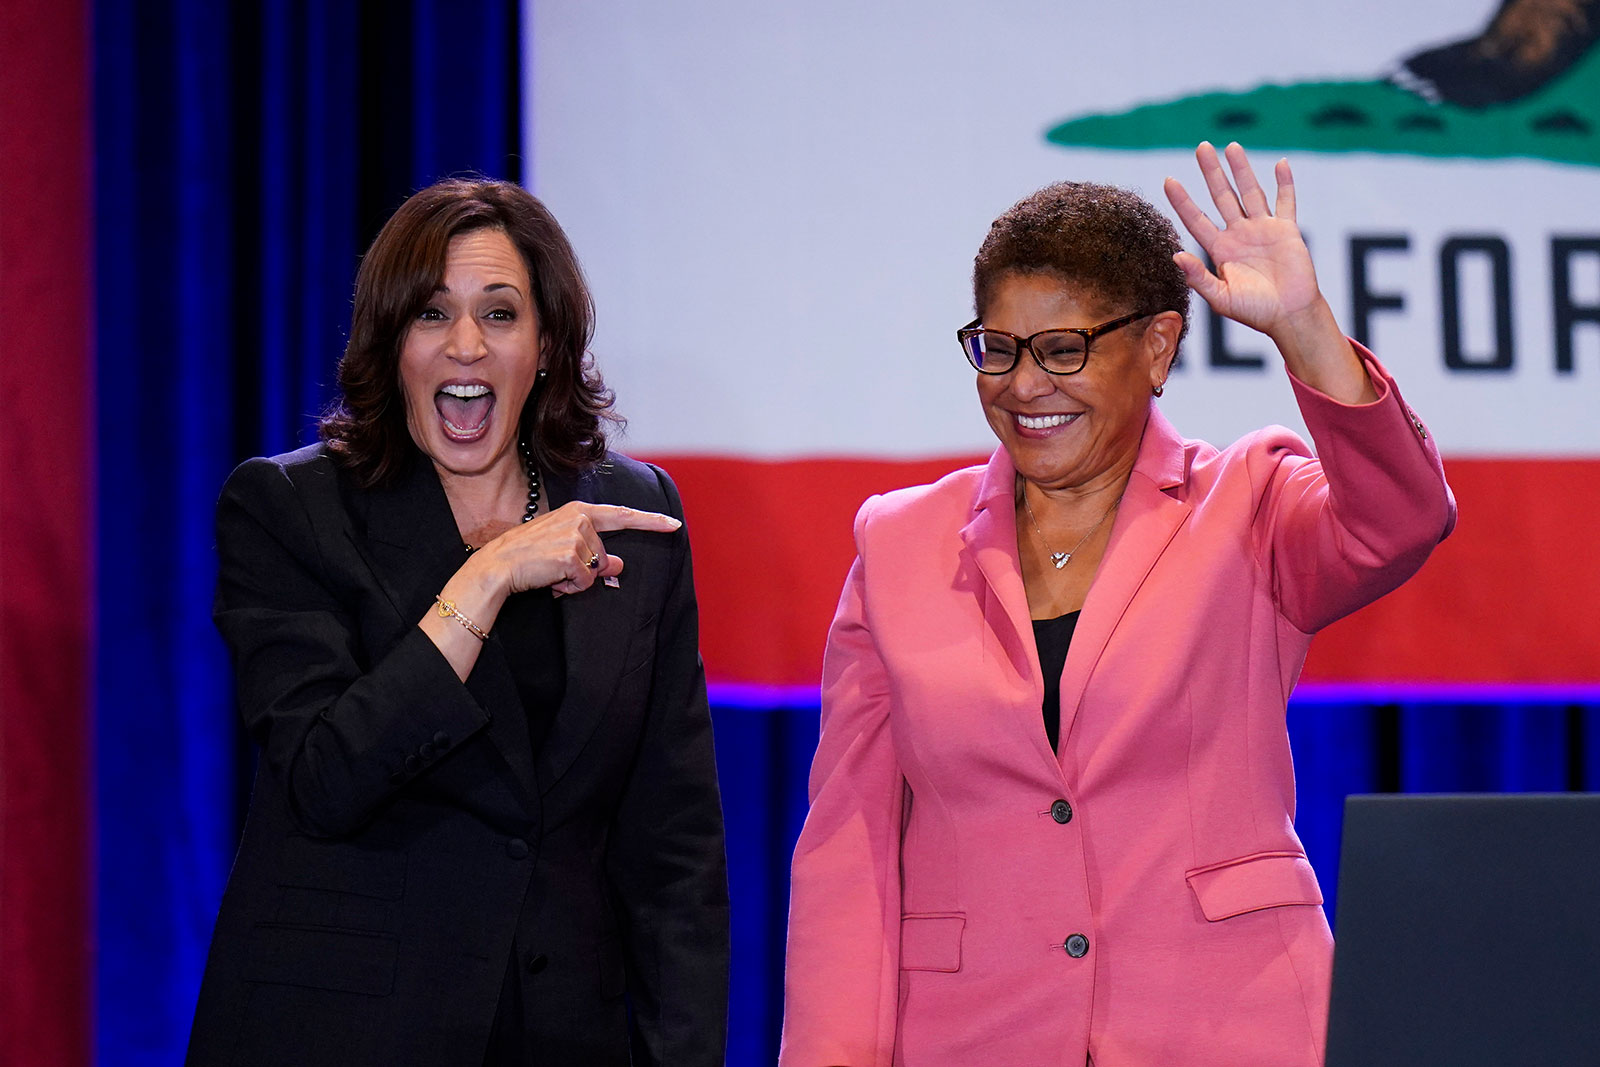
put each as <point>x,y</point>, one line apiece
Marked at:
<point>469,360</point>
<point>1076,430</point>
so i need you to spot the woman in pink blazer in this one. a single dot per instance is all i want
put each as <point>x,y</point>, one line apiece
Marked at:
<point>1052,805</point>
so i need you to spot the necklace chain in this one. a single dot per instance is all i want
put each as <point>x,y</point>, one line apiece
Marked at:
<point>532,472</point>
<point>1061,559</point>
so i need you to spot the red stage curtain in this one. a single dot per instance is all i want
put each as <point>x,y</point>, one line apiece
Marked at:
<point>47,312</point>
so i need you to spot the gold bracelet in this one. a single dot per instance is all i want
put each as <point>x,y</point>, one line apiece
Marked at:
<point>448,610</point>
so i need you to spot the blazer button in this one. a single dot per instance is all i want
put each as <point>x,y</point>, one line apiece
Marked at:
<point>441,740</point>
<point>413,763</point>
<point>1077,946</point>
<point>537,962</point>
<point>517,848</point>
<point>1061,812</point>
<point>426,750</point>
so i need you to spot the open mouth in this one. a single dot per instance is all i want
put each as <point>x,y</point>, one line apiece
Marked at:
<point>1043,422</point>
<point>464,410</point>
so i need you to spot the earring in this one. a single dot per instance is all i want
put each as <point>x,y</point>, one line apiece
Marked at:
<point>1157,390</point>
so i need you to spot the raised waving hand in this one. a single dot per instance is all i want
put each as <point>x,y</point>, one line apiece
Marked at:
<point>1264,277</point>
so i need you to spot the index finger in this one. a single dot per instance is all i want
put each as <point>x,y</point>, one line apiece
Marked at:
<point>1195,220</point>
<point>607,517</point>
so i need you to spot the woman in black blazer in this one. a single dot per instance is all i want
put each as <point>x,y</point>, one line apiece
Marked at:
<point>485,827</point>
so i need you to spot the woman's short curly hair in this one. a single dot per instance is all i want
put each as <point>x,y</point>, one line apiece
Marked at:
<point>1113,244</point>
<point>366,427</point>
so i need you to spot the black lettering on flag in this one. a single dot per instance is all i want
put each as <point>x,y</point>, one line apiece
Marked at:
<point>1499,257</point>
<point>1363,301</point>
<point>1568,312</point>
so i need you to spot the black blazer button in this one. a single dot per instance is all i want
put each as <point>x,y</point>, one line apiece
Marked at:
<point>1061,811</point>
<point>517,848</point>
<point>537,962</point>
<point>413,763</point>
<point>441,740</point>
<point>427,751</point>
<point>1077,946</point>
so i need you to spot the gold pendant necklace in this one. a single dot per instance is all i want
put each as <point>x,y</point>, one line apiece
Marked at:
<point>1061,559</point>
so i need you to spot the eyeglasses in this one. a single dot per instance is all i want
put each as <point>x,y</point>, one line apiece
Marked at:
<point>1056,351</point>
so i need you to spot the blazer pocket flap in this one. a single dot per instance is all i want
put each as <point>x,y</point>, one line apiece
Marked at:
<point>931,942</point>
<point>1254,882</point>
<point>315,957</point>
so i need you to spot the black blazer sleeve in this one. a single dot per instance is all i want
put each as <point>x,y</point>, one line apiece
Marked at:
<point>666,862</point>
<point>333,724</point>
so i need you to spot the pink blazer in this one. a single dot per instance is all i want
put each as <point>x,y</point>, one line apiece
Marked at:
<point>964,895</point>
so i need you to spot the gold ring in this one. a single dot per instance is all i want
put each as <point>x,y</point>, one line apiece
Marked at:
<point>594,561</point>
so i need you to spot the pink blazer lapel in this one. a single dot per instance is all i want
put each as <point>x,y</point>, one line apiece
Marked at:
<point>1146,522</point>
<point>990,537</point>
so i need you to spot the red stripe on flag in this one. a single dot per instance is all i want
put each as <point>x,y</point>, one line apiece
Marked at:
<point>772,545</point>
<point>46,304</point>
<point>1509,598</point>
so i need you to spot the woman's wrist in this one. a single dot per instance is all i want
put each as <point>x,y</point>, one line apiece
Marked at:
<point>479,586</point>
<point>1316,351</point>
<point>448,609</point>
<point>472,595</point>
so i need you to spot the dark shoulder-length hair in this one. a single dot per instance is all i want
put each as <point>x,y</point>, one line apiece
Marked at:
<point>366,427</point>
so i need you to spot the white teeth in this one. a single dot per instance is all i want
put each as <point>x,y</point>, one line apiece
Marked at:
<point>465,392</point>
<point>1043,422</point>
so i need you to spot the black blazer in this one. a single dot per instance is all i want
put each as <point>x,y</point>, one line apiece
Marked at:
<point>402,839</point>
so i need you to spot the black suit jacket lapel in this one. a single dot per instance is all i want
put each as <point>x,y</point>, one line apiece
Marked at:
<point>596,626</point>
<point>412,546</point>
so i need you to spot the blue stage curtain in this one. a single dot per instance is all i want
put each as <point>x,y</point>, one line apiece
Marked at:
<point>1506,747</point>
<point>246,153</point>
